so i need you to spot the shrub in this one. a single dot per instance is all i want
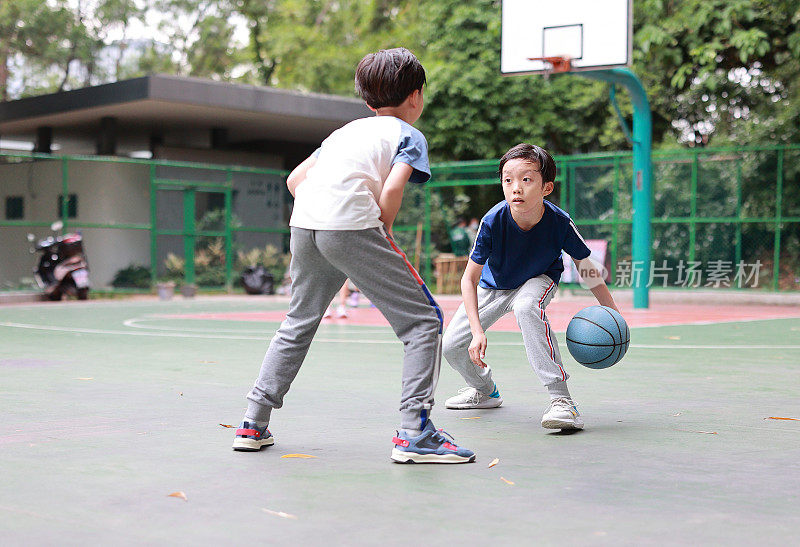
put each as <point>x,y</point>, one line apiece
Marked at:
<point>135,277</point>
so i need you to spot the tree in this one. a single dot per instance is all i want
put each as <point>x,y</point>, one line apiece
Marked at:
<point>201,41</point>
<point>53,46</point>
<point>315,45</point>
<point>29,29</point>
<point>473,112</point>
<point>726,70</point>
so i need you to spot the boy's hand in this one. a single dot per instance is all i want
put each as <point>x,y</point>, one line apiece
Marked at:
<point>477,349</point>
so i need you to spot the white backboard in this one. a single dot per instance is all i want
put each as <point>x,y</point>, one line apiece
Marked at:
<point>594,33</point>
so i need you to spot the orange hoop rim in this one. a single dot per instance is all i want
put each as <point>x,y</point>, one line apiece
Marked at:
<point>557,63</point>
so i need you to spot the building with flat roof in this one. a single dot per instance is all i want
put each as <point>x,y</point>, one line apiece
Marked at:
<point>162,119</point>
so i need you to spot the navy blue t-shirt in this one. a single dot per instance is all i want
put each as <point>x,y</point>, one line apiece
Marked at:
<point>511,255</point>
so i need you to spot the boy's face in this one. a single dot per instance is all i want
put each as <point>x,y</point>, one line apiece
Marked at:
<point>523,187</point>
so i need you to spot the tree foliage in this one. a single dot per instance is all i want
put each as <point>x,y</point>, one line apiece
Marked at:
<point>716,71</point>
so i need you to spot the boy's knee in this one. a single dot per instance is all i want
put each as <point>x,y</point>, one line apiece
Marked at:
<point>528,309</point>
<point>454,343</point>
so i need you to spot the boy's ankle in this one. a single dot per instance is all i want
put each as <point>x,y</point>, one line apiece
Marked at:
<point>257,413</point>
<point>558,390</point>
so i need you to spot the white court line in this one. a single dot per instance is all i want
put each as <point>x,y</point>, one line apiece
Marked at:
<point>331,340</point>
<point>135,323</point>
<point>178,334</point>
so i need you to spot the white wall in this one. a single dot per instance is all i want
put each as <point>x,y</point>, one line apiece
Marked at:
<point>118,193</point>
<point>107,193</point>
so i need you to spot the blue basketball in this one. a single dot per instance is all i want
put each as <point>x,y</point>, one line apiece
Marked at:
<point>598,337</point>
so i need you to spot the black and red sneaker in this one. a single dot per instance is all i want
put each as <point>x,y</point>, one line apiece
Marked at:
<point>250,439</point>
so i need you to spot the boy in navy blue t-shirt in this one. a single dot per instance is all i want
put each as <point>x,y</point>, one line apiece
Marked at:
<point>514,266</point>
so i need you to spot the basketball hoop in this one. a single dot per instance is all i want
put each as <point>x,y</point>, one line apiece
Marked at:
<point>554,65</point>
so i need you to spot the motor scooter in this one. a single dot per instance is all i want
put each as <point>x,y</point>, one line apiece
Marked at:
<point>62,267</point>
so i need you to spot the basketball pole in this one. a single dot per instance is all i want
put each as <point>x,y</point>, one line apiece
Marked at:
<point>642,176</point>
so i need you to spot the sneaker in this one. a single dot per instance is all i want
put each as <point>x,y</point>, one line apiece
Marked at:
<point>250,439</point>
<point>341,312</point>
<point>469,397</point>
<point>328,313</point>
<point>562,414</point>
<point>431,446</point>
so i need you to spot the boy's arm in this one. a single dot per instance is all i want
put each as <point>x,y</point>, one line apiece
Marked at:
<point>298,174</point>
<point>593,278</point>
<point>469,292</point>
<point>392,194</point>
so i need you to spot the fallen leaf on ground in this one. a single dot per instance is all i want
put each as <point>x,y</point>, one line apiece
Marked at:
<point>505,480</point>
<point>208,362</point>
<point>279,514</point>
<point>178,495</point>
<point>90,378</point>
<point>706,432</point>
<point>673,337</point>
<point>226,425</point>
<point>472,418</point>
<point>297,456</point>
<point>779,418</point>
<point>494,462</point>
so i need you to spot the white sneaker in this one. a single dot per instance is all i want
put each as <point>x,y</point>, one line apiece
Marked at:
<point>328,313</point>
<point>469,397</point>
<point>562,414</point>
<point>341,312</point>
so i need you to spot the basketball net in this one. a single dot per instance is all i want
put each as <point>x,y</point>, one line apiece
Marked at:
<point>554,64</point>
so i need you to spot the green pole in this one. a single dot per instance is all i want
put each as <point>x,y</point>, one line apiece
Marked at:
<point>776,269</point>
<point>188,234</point>
<point>428,274</point>
<point>693,207</point>
<point>64,193</point>
<point>615,226</point>
<point>153,225</point>
<point>642,173</point>
<point>228,232</point>
<point>738,211</point>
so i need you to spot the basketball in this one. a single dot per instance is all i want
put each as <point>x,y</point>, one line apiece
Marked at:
<point>598,337</point>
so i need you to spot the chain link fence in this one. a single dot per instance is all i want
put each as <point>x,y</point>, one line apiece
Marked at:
<point>720,217</point>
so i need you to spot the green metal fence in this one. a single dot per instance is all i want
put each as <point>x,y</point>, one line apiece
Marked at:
<point>712,207</point>
<point>162,201</point>
<point>720,209</point>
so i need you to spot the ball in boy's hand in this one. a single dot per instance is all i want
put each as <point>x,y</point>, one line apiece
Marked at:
<point>598,337</point>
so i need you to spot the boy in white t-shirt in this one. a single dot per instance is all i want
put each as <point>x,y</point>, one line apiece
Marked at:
<point>347,195</point>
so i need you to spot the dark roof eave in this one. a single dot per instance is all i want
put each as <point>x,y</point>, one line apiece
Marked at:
<point>188,91</point>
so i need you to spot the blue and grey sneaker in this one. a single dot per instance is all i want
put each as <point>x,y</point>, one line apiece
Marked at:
<point>250,439</point>
<point>431,446</point>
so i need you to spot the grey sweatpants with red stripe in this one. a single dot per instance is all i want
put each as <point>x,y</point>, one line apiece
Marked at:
<point>321,262</point>
<point>528,303</point>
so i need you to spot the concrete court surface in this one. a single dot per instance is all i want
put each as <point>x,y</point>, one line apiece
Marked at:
<point>109,407</point>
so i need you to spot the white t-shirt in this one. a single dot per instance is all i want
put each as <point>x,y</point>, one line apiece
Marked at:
<point>342,188</point>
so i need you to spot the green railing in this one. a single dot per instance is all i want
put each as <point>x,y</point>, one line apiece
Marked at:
<point>719,205</point>
<point>220,180</point>
<point>709,205</point>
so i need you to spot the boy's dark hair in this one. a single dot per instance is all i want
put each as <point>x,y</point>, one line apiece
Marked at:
<point>533,154</point>
<point>388,77</point>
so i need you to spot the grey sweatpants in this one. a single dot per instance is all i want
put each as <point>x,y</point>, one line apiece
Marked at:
<point>528,303</point>
<point>321,261</point>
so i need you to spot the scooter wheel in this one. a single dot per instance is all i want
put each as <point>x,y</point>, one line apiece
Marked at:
<point>55,296</point>
<point>83,294</point>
